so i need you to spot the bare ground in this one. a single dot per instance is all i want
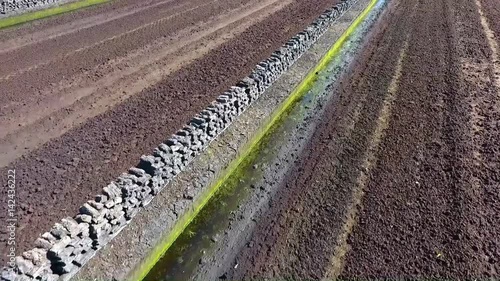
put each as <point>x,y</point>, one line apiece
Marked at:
<point>85,94</point>
<point>402,176</point>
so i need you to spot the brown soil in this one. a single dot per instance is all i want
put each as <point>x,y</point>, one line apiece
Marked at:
<point>89,65</point>
<point>402,176</point>
<point>73,117</point>
<point>492,11</point>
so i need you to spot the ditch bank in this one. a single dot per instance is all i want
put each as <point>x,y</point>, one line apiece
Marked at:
<point>209,247</point>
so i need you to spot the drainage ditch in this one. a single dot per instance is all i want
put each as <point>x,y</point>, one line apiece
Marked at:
<point>223,224</point>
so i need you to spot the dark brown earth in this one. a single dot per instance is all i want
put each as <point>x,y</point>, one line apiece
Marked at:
<point>57,77</point>
<point>72,119</point>
<point>491,9</point>
<point>402,176</point>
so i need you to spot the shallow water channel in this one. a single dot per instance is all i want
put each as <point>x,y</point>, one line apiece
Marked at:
<point>184,256</point>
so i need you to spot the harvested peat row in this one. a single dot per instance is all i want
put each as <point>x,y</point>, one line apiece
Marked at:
<point>60,253</point>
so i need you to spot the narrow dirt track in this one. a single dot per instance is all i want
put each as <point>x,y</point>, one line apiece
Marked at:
<point>84,95</point>
<point>402,177</point>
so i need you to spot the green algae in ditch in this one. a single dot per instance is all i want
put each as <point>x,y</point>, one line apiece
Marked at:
<point>188,249</point>
<point>235,173</point>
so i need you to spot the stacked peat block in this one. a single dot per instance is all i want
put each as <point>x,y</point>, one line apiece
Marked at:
<point>60,253</point>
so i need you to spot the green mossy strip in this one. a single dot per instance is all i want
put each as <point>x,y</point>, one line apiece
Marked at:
<point>35,15</point>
